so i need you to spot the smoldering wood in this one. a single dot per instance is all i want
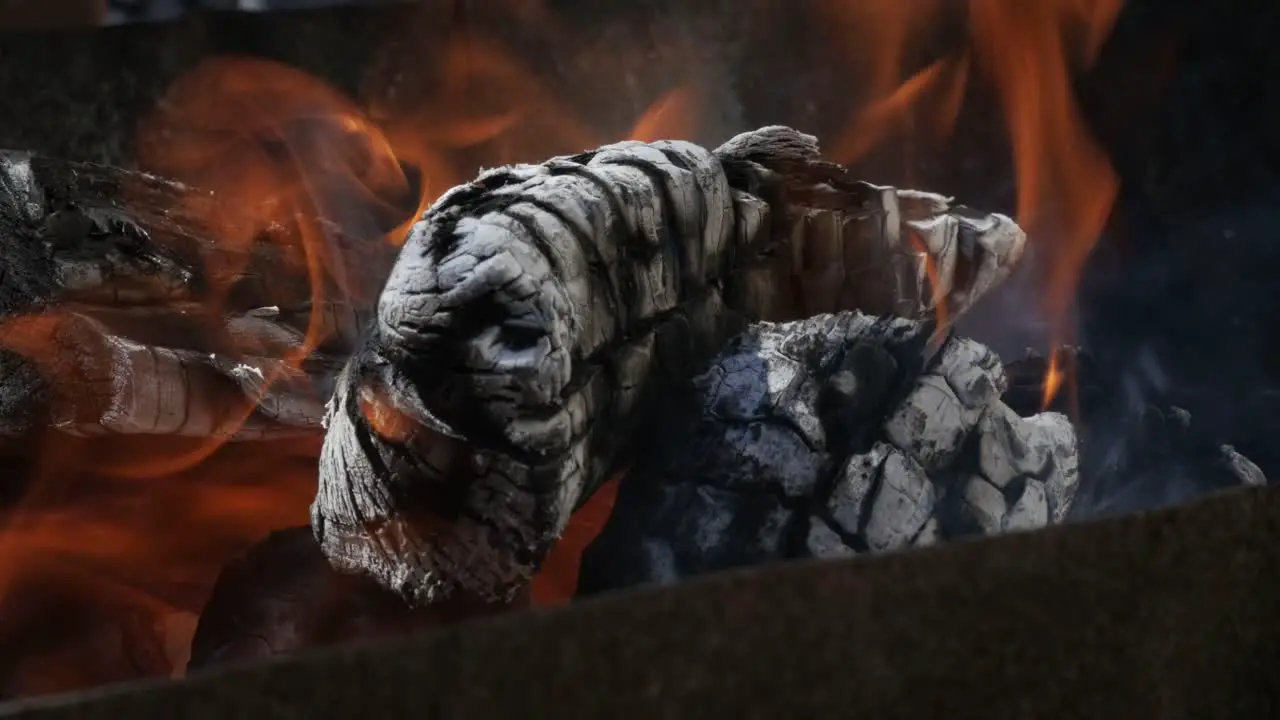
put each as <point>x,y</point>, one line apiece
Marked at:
<point>832,436</point>
<point>537,319</point>
<point>126,313</point>
<point>836,435</point>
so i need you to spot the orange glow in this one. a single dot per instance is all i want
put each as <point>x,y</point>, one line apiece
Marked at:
<point>558,581</point>
<point>674,115</point>
<point>939,300</point>
<point>330,183</point>
<point>326,182</point>
<point>1053,379</point>
<point>1027,50</point>
<point>384,419</point>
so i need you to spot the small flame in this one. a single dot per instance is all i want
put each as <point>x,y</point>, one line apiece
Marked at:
<point>1053,381</point>
<point>672,116</point>
<point>939,300</point>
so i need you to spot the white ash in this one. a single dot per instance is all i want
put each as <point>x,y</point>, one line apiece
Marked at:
<point>865,439</point>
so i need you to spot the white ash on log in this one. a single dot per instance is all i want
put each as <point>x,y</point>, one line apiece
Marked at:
<point>124,312</point>
<point>538,319</point>
<point>835,435</point>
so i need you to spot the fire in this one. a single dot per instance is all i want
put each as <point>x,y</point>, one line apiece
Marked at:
<point>1027,50</point>
<point>1053,378</point>
<point>141,526</point>
<point>331,181</point>
<point>939,302</point>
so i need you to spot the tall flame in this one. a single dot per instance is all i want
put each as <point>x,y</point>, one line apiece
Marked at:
<point>1028,50</point>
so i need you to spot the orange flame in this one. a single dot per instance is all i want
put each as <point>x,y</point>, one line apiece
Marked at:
<point>940,312</point>
<point>323,182</point>
<point>328,181</point>
<point>1066,185</point>
<point>1053,379</point>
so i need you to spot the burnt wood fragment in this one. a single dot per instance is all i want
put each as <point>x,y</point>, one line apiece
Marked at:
<point>538,318</point>
<point>124,311</point>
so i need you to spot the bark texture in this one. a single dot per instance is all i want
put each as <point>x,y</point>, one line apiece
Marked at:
<point>538,319</point>
<point>836,435</point>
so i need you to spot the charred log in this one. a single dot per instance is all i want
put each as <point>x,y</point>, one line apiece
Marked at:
<point>537,318</point>
<point>117,286</point>
<point>282,596</point>
<point>837,435</point>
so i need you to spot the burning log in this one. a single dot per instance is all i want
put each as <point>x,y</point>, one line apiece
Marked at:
<point>560,304</point>
<point>141,319</point>
<point>538,320</point>
<point>836,435</point>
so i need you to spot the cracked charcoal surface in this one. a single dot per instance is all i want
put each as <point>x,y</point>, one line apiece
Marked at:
<point>837,435</point>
